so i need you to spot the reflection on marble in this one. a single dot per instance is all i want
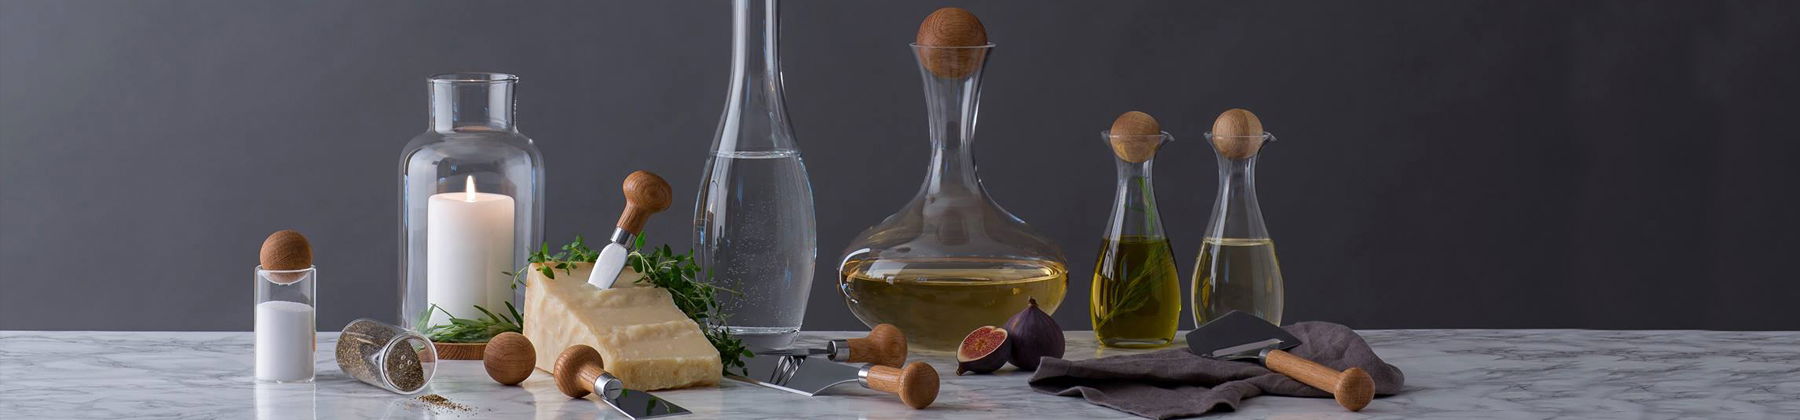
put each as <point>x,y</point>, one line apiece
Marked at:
<point>1450,373</point>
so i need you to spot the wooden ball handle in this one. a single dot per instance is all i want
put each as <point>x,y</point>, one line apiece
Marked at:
<point>885,345</point>
<point>917,384</point>
<point>578,369</point>
<point>645,194</point>
<point>1352,388</point>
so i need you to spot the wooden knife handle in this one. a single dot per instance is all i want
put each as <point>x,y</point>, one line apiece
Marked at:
<point>1352,388</point>
<point>884,345</point>
<point>917,384</point>
<point>577,368</point>
<point>645,194</point>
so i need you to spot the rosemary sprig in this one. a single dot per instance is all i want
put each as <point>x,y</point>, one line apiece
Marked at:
<point>464,330</point>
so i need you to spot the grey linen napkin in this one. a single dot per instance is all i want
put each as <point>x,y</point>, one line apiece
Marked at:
<point>1177,383</point>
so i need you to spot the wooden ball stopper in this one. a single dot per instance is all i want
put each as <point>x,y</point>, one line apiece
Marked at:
<point>285,250</point>
<point>1135,136</point>
<point>1237,134</point>
<point>951,27</point>
<point>509,358</point>
<point>645,194</point>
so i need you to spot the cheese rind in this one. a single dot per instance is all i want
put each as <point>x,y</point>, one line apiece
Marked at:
<point>642,337</point>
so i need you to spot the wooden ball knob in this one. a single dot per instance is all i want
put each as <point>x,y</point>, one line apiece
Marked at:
<point>1135,136</point>
<point>286,250</point>
<point>885,345</point>
<point>576,370</point>
<point>1237,134</point>
<point>645,194</point>
<point>951,27</point>
<point>509,358</point>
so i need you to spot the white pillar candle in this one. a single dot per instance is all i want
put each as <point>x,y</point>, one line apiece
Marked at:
<point>468,245</point>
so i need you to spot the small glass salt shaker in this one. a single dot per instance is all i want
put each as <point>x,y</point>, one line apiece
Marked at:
<point>286,319</point>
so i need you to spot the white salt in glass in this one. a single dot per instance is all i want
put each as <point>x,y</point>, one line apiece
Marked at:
<point>286,325</point>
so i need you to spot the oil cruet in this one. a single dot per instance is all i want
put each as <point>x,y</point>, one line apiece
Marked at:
<point>951,260</point>
<point>1237,269</point>
<point>1136,299</point>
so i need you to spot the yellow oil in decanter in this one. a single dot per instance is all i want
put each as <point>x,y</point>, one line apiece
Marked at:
<point>1237,274</point>
<point>937,302</point>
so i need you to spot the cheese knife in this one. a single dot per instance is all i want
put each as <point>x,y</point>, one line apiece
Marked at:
<point>916,384</point>
<point>579,372</point>
<point>1241,335</point>
<point>885,345</point>
<point>645,194</point>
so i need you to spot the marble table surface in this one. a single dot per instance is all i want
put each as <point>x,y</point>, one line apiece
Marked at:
<point>1450,374</point>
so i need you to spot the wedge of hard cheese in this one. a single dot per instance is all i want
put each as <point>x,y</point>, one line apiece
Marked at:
<point>642,337</point>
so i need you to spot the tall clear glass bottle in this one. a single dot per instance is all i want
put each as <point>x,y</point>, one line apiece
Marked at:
<point>951,260</point>
<point>1237,269</point>
<point>753,220</point>
<point>1136,298</point>
<point>471,202</point>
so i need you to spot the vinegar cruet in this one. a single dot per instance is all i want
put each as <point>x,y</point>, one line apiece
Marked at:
<point>951,260</point>
<point>1237,269</point>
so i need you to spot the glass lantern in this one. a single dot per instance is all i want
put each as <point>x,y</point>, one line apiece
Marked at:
<point>471,203</point>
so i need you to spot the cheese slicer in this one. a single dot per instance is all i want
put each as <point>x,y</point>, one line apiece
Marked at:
<point>916,384</point>
<point>885,345</point>
<point>645,194</point>
<point>580,371</point>
<point>1241,336</point>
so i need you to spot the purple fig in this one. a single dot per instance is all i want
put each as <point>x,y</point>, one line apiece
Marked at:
<point>984,350</point>
<point>1034,336</point>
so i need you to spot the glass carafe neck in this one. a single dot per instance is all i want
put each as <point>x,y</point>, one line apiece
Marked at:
<point>755,116</point>
<point>1236,213</point>
<point>1134,203</point>
<point>952,77</point>
<point>472,102</point>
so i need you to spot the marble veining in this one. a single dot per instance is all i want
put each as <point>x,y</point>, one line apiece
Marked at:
<point>1450,374</point>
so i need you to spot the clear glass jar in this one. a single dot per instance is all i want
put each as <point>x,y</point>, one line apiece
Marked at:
<point>1136,299</point>
<point>951,260</point>
<point>386,356</point>
<point>753,218</point>
<point>286,324</point>
<point>471,202</point>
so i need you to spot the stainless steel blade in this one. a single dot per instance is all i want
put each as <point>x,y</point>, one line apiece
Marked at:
<point>643,405</point>
<point>793,352</point>
<point>608,266</point>
<point>797,374</point>
<point>1238,335</point>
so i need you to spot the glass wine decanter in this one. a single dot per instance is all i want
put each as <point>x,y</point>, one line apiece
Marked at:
<point>1136,299</point>
<point>1237,269</point>
<point>753,219</point>
<point>951,260</point>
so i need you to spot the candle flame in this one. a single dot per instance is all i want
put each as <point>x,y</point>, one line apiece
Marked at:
<point>469,189</point>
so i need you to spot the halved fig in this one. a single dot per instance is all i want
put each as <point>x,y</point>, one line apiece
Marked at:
<point>984,350</point>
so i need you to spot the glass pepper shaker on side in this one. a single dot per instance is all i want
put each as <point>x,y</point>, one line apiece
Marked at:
<point>1136,298</point>
<point>1237,269</point>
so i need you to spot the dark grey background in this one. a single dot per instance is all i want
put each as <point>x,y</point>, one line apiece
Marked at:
<point>1493,164</point>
